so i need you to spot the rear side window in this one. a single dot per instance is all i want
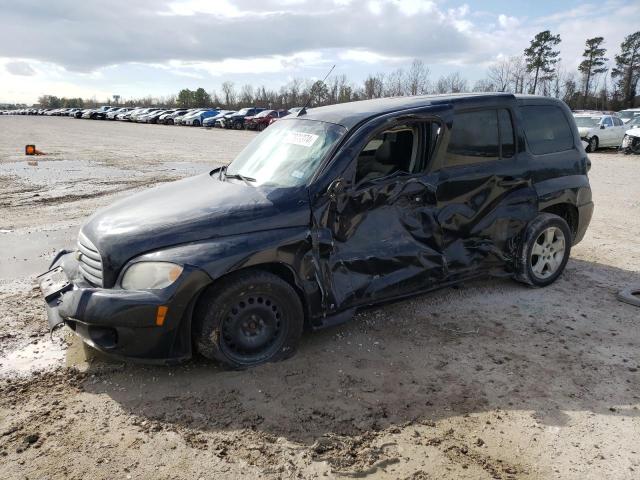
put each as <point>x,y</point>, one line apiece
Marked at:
<point>474,138</point>
<point>617,122</point>
<point>547,129</point>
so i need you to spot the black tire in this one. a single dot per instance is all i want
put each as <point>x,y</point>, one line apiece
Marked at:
<point>261,126</point>
<point>528,269</point>
<point>196,123</point>
<point>252,304</point>
<point>238,126</point>
<point>593,144</point>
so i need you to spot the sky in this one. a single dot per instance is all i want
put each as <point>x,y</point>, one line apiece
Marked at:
<point>135,48</point>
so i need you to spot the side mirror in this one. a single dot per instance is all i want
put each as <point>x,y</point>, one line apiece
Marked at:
<point>337,187</point>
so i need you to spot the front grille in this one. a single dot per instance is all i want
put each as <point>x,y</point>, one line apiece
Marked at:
<point>89,261</point>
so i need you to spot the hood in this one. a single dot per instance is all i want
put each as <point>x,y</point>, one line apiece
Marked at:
<point>634,132</point>
<point>189,210</point>
<point>584,131</point>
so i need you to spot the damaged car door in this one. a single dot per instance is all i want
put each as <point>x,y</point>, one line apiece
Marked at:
<point>375,234</point>
<point>484,195</point>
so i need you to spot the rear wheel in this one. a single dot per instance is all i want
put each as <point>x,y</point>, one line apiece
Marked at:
<point>255,317</point>
<point>545,250</point>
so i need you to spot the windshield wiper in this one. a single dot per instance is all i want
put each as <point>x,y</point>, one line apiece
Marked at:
<point>239,176</point>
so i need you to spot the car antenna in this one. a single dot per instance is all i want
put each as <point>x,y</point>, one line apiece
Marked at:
<point>303,111</point>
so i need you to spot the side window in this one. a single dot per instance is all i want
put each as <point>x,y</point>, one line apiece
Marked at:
<point>507,139</point>
<point>393,150</point>
<point>617,122</point>
<point>474,138</point>
<point>547,129</point>
<point>608,122</point>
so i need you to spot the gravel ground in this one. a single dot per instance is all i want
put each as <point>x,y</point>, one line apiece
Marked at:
<point>486,380</point>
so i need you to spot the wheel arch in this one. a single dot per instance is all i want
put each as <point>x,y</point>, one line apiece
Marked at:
<point>279,269</point>
<point>566,211</point>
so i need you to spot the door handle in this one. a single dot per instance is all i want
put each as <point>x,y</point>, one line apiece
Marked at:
<point>509,181</point>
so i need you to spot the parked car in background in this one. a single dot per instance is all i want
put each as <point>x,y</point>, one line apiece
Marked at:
<point>236,120</point>
<point>263,119</point>
<point>118,111</point>
<point>167,117</point>
<point>629,114</point>
<point>71,112</point>
<point>221,120</point>
<point>631,140</point>
<point>198,118</point>
<point>211,121</point>
<point>600,130</point>
<point>136,115</point>
<point>186,116</point>
<point>102,114</point>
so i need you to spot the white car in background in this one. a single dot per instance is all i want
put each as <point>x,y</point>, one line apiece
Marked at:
<point>627,115</point>
<point>631,140</point>
<point>600,130</point>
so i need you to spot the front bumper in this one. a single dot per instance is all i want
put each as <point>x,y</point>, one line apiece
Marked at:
<point>124,323</point>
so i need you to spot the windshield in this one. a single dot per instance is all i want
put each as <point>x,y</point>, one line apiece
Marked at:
<point>287,153</point>
<point>587,121</point>
<point>635,122</point>
<point>627,114</point>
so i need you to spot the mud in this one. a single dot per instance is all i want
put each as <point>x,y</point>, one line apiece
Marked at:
<point>486,380</point>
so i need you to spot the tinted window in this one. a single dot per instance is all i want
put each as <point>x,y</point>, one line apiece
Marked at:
<point>474,138</point>
<point>546,128</point>
<point>608,122</point>
<point>506,133</point>
<point>617,122</point>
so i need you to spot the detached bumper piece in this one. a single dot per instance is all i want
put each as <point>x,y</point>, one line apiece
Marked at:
<point>152,326</point>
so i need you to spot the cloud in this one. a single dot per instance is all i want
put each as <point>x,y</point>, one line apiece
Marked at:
<point>20,68</point>
<point>88,35</point>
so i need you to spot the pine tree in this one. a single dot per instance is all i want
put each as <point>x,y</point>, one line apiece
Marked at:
<point>541,58</point>
<point>627,68</point>
<point>594,62</point>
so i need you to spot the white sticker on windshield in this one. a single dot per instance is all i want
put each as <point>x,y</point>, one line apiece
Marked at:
<point>299,138</point>
<point>297,174</point>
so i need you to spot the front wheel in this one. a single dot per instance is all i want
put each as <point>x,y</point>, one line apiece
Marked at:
<point>253,318</point>
<point>196,123</point>
<point>593,144</point>
<point>545,250</point>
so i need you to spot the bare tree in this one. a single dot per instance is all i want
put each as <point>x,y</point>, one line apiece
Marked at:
<point>500,73</point>
<point>417,79</point>
<point>452,83</point>
<point>229,94</point>
<point>485,85</point>
<point>374,86</point>
<point>394,85</point>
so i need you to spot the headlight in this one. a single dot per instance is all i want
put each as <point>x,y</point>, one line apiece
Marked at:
<point>626,141</point>
<point>150,275</point>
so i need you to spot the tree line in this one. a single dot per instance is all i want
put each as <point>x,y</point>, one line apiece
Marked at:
<point>598,83</point>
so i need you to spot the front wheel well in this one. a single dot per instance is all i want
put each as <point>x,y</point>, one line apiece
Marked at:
<point>566,211</point>
<point>278,269</point>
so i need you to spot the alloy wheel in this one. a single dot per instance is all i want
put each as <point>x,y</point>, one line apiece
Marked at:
<point>547,253</point>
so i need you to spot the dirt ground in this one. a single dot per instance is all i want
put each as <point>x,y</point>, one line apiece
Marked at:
<point>487,380</point>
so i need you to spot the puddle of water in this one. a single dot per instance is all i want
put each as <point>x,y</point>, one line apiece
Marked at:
<point>25,254</point>
<point>45,354</point>
<point>63,171</point>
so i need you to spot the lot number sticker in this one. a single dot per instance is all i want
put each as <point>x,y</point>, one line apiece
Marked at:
<point>302,139</point>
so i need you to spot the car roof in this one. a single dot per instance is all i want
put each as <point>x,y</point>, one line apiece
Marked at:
<point>353,113</point>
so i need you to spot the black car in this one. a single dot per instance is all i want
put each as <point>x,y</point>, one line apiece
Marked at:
<point>325,212</point>
<point>236,120</point>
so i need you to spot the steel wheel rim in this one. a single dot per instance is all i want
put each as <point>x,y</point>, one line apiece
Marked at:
<point>593,144</point>
<point>547,253</point>
<point>252,329</point>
